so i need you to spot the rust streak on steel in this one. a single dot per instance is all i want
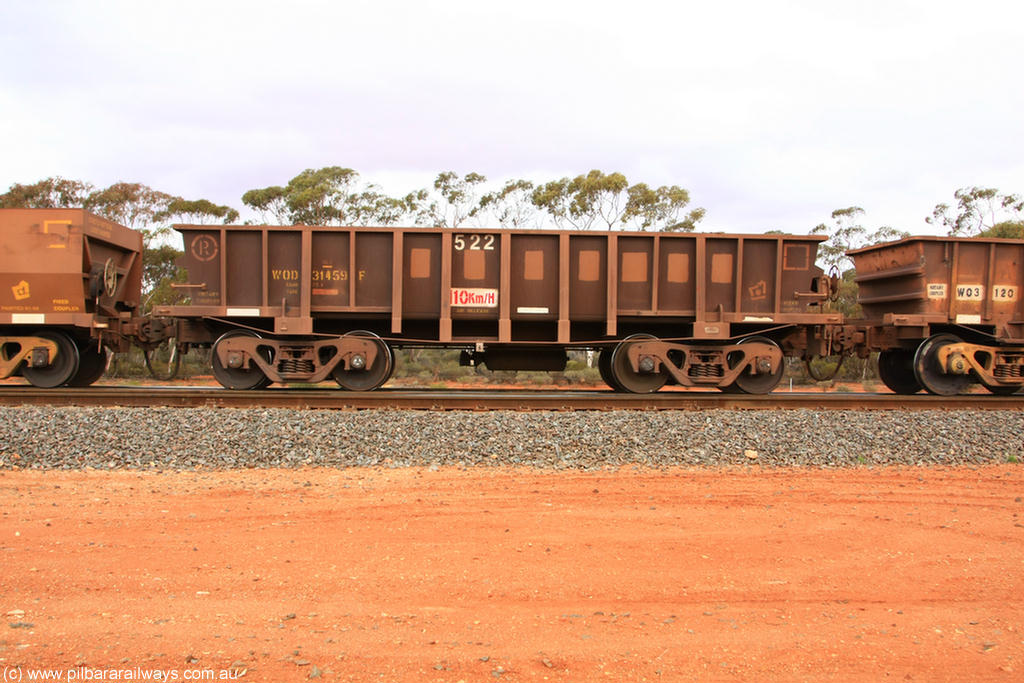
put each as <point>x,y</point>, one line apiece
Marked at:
<point>479,400</point>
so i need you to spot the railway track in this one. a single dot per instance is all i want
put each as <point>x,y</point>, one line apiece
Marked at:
<point>509,399</point>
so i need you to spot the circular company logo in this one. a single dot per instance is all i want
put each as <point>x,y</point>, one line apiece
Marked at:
<point>204,247</point>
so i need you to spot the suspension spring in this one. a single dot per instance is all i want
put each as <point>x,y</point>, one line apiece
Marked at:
<point>295,366</point>
<point>1007,371</point>
<point>705,370</point>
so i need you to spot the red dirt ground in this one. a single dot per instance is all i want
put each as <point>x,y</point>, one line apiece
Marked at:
<point>516,575</point>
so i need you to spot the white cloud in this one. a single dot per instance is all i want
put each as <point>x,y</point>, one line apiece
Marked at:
<point>772,114</point>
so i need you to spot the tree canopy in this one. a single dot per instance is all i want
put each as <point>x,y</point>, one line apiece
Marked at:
<point>846,234</point>
<point>1007,230</point>
<point>977,209</point>
<point>313,197</point>
<point>131,204</point>
<point>332,196</point>
<point>50,193</point>
<point>336,196</point>
<point>458,199</point>
<point>607,200</point>
<point>201,211</point>
<point>512,206</point>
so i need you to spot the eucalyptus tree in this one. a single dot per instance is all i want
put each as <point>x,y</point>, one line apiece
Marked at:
<point>1007,230</point>
<point>977,209</point>
<point>334,196</point>
<point>607,200</point>
<point>512,205</point>
<point>846,234</point>
<point>660,209</point>
<point>49,193</point>
<point>457,200</point>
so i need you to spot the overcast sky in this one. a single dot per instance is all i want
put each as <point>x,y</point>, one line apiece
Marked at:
<point>771,114</point>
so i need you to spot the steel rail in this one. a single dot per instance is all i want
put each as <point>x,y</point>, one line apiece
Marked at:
<point>470,399</point>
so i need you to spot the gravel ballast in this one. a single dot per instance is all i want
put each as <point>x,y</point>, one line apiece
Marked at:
<point>186,438</point>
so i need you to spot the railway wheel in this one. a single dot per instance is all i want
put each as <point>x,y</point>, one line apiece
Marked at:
<point>930,373</point>
<point>762,382</point>
<point>622,372</point>
<point>238,378</point>
<point>61,368</point>
<point>164,360</point>
<point>896,370</point>
<point>92,363</point>
<point>367,379</point>
<point>604,366</point>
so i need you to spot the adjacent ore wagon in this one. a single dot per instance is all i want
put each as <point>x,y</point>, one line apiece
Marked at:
<point>70,283</point>
<point>303,303</point>
<point>944,312</point>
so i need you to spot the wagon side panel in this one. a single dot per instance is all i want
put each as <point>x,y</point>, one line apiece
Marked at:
<point>677,281</point>
<point>952,281</point>
<point>588,259</point>
<point>66,267</point>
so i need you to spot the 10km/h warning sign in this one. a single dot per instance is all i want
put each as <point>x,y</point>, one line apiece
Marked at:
<point>469,296</point>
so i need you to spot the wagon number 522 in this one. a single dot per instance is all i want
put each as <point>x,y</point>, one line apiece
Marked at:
<point>473,242</point>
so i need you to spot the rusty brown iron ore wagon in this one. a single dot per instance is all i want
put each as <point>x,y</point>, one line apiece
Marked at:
<point>943,312</point>
<point>70,285</point>
<point>302,303</point>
